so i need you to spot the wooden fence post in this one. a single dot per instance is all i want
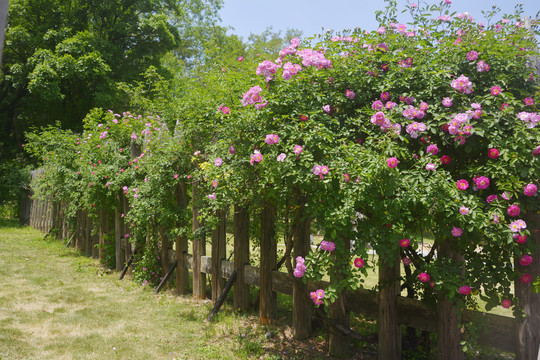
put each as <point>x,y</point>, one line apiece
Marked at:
<point>77,242</point>
<point>528,327</point>
<point>268,298</point>
<point>338,343</point>
<point>219,243</point>
<point>164,250</point>
<point>126,244</point>
<point>301,307</point>
<point>89,229</point>
<point>84,226</point>
<point>389,341</point>
<point>182,273</point>
<point>241,255</point>
<point>448,315</point>
<point>119,263</point>
<point>95,237</point>
<point>101,233</point>
<point>55,219</point>
<point>199,249</point>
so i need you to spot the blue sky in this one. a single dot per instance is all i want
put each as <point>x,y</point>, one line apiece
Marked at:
<point>310,15</point>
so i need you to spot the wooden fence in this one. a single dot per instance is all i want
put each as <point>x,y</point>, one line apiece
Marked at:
<point>87,235</point>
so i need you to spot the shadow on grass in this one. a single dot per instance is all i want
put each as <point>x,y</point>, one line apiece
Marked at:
<point>10,223</point>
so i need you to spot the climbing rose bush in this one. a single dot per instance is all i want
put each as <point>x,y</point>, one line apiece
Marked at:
<point>389,135</point>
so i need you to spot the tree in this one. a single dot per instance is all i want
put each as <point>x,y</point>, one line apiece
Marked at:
<point>64,58</point>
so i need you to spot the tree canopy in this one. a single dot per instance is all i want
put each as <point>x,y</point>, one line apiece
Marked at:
<point>63,58</point>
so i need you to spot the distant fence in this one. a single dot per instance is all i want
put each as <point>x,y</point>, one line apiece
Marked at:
<point>86,235</point>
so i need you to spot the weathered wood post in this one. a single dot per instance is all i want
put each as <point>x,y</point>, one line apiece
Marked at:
<point>389,341</point>
<point>268,298</point>
<point>119,261</point>
<point>25,207</point>
<point>78,238</point>
<point>199,249</point>
<point>528,327</point>
<point>182,273</point>
<point>101,232</point>
<point>301,246</point>
<point>91,251</point>
<point>165,245</point>
<point>448,315</point>
<point>126,244</point>
<point>219,243</point>
<point>55,216</point>
<point>84,232</point>
<point>241,255</point>
<point>338,343</point>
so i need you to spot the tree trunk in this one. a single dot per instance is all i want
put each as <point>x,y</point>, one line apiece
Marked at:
<point>268,298</point>
<point>241,256</point>
<point>389,330</point>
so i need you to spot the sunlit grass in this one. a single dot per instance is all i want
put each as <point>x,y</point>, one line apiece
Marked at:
<point>57,304</point>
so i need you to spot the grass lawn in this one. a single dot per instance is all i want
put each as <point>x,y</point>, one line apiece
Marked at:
<point>59,305</point>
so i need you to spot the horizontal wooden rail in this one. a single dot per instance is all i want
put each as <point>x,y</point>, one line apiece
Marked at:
<point>498,330</point>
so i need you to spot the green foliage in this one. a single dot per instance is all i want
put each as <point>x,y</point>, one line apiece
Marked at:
<point>148,266</point>
<point>361,198</point>
<point>64,58</point>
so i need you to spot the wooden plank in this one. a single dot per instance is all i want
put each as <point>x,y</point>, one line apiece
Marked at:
<point>128,264</point>
<point>166,277</point>
<point>499,330</point>
<point>223,296</point>
<point>411,312</point>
